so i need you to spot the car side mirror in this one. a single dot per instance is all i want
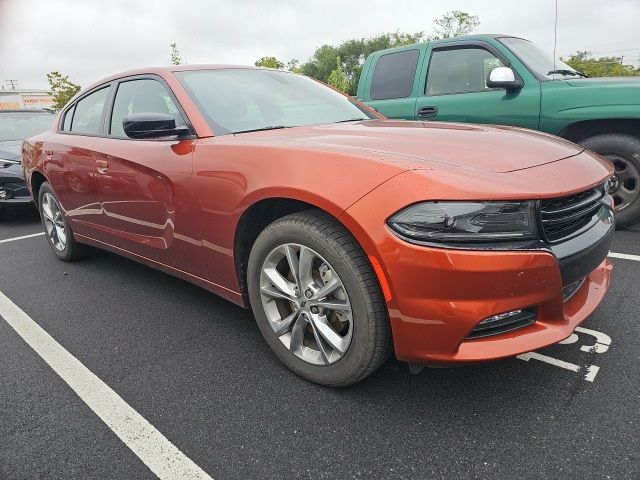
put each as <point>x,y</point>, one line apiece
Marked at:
<point>152,125</point>
<point>504,77</point>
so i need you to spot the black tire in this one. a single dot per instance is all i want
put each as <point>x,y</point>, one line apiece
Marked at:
<point>621,149</point>
<point>370,344</point>
<point>72,250</point>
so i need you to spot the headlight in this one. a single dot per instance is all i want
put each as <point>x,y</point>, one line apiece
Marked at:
<point>454,223</point>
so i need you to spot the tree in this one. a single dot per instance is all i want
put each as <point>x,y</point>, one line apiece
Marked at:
<point>293,65</point>
<point>62,89</point>
<point>270,62</point>
<point>338,79</point>
<point>176,59</point>
<point>455,24</point>
<point>583,62</point>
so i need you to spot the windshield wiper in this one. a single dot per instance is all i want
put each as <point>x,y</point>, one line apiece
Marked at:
<point>352,120</point>
<point>270,127</point>
<point>568,72</point>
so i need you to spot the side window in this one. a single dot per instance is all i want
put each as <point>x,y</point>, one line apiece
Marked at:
<point>88,113</point>
<point>141,96</point>
<point>460,70</point>
<point>66,124</point>
<point>394,74</point>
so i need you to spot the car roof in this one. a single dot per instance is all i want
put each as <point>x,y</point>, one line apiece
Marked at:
<point>483,36</point>
<point>170,69</point>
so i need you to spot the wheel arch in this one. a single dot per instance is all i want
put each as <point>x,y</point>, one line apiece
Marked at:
<point>37,179</point>
<point>261,213</point>
<point>579,131</point>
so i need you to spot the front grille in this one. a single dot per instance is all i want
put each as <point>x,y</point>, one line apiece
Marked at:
<point>504,323</point>
<point>563,217</point>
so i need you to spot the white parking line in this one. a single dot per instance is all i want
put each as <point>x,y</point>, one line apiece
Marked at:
<point>21,238</point>
<point>625,256</point>
<point>159,454</point>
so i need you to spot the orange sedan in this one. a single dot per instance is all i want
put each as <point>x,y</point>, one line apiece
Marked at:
<point>351,237</point>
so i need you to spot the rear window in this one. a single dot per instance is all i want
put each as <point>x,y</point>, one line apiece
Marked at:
<point>394,75</point>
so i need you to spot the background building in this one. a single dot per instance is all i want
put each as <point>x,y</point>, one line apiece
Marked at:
<point>25,98</point>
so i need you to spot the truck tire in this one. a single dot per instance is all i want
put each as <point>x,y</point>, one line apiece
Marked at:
<point>624,152</point>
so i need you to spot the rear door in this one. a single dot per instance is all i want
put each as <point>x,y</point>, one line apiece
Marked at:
<point>392,86</point>
<point>69,164</point>
<point>454,88</point>
<point>146,187</point>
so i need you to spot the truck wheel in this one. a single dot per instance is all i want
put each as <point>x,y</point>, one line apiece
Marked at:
<point>317,300</point>
<point>624,152</point>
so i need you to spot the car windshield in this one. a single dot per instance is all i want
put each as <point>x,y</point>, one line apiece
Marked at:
<point>21,125</point>
<point>245,100</point>
<point>538,61</point>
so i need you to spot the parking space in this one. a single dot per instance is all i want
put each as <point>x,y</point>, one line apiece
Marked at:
<point>196,368</point>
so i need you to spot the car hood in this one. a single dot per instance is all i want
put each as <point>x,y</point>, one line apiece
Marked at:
<point>428,144</point>
<point>10,150</point>
<point>605,82</point>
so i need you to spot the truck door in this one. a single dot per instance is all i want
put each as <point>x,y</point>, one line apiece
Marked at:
<point>454,88</point>
<point>392,83</point>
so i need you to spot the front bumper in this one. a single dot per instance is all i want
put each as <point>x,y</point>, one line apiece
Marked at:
<point>438,296</point>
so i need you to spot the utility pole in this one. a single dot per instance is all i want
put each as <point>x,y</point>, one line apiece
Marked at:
<point>13,83</point>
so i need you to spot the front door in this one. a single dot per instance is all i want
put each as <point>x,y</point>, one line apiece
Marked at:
<point>146,187</point>
<point>455,90</point>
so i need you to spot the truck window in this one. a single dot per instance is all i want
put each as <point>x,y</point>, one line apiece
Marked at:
<point>394,75</point>
<point>460,70</point>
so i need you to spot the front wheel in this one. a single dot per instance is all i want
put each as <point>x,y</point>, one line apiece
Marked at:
<point>623,151</point>
<point>56,226</point>
<point>317,300</point>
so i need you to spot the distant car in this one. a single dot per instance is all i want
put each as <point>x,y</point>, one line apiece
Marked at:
<point>349,235</point>
<point>499,79</point>
<point>15,126</point>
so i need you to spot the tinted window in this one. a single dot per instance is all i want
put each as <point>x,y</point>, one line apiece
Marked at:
<point>237,100</point>
<point>394,74</point>
<point>66,126</point>
<point>141,96</point>
<point>460,70</point>
<point>88,114</point>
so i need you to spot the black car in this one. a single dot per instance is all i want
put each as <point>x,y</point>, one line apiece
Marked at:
<point>15,126</point>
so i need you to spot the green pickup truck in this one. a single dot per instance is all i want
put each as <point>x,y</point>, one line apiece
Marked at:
<point>506,80</point>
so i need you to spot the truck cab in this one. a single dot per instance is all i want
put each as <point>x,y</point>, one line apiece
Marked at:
<point>506,80</point>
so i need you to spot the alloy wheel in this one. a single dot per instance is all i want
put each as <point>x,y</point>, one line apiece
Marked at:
<point>306,304</point>
<point>53,222</point>
<point>625,185</point>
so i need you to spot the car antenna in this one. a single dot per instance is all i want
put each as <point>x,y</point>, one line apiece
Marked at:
<point>555,37</point>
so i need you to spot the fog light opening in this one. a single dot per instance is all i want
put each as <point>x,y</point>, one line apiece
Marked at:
<point>504,322</point>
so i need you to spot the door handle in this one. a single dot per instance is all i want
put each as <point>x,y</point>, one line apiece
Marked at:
<point>102,166</point>
<point>426,112</point>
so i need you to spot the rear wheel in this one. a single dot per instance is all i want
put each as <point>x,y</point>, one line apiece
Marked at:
<point>317,300</point>
<point>57,229</point>
<point>624,152</point>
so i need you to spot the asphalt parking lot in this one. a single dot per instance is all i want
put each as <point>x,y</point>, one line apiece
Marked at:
<point>196,368</point>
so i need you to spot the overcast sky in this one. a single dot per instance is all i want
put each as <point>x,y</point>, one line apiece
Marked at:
<point>89,39</point>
